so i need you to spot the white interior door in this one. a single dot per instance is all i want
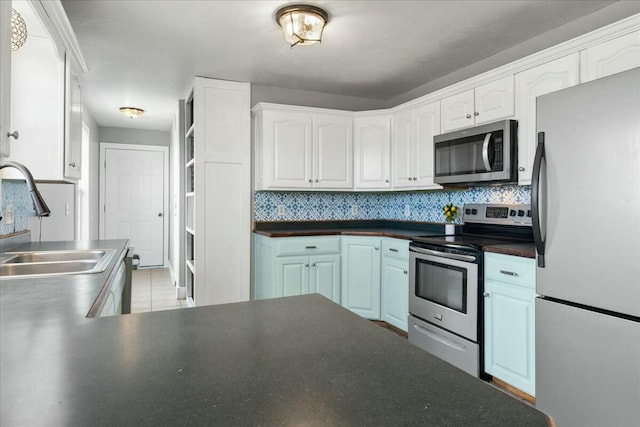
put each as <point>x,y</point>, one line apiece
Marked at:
<point>134,201</point>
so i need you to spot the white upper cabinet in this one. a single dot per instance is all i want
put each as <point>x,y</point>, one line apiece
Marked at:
<point>5,77</point>
<point>332,152</point>
<point>486,103</point>
<point>287,150</point>
<point>300,149</point>
<point>611,57</point>
<point>413,132</point>
<point>372,153</point>
<point>73,126</point>
<point>546,78</point>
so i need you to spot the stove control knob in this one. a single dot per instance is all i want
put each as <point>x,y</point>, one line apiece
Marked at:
<point>520,212</point>
<point>467,211</point>
<point>512,213</point>
<point>474,211</point>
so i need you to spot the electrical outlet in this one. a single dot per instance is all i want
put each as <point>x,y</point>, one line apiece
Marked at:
<point>281,210</point>
<point>407,210</point>
<point>8,215</point>
<point>354,210</point>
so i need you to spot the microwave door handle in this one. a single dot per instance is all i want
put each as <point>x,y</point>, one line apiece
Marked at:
<point>485,152</point>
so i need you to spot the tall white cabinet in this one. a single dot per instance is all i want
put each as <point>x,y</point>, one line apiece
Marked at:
<point>218,192</point>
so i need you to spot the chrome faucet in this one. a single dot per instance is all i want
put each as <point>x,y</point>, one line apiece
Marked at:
<point>39,204</point>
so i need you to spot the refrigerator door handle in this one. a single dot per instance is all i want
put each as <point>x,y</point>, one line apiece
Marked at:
<point>535,200</point>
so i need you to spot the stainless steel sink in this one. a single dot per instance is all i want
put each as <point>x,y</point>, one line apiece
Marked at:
<point>54,263</point>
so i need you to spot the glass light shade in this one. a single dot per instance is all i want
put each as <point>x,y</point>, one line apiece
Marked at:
<point>18,30</point>
<point>302,25</point>
<point>131,112</point>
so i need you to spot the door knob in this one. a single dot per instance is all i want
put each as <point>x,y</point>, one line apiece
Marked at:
<point>14,134</point>
<point>159,213</point>
<point>468,116</point>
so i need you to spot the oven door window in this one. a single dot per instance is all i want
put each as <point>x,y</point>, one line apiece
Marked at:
<point>442,284</point>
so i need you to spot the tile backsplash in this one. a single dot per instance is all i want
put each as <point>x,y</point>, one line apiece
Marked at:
<point>16,194</point>
<point>424,206</point>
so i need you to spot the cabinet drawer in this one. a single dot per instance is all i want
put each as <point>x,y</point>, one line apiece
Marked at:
<point>307,245</point>
<point>510,269</point>
<point>396,248</point>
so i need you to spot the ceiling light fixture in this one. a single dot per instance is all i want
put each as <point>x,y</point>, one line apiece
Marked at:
<point>18,30</point>
<point>132,112</point>
<point>302,24</point>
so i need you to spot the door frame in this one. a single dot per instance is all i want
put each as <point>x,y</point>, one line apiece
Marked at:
<point>104,146</point>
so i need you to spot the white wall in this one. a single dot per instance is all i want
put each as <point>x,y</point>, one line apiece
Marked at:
<point>135,136</point>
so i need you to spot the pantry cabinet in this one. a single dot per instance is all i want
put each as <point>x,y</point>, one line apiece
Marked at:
<point>301,148</point>
<point>483,104</point>
<point>613,56</point>
<point>509,320</point>
<point>361,276</point>
<point>372,153</point>
<point>413,132</point>
<point>546,78</point>
<point>395,283</point>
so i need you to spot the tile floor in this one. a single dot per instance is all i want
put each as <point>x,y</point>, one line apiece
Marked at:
<point>153,290</point>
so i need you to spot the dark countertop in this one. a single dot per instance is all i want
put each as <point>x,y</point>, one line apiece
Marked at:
<point>526,250</point>
<point>385,228</point>
<point>286,361</point>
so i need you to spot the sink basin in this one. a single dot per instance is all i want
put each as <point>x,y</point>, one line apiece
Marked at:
<point>56,256</point>
<point>54,263</point>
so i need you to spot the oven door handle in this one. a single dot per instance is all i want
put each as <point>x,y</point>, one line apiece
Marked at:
<point>458,257</point>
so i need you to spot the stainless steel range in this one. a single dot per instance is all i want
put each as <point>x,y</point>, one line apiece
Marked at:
<point>446,281</point>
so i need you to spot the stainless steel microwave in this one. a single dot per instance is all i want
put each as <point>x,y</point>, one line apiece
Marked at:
<point>481,155</point>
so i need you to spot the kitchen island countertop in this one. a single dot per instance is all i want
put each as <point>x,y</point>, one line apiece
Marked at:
<point>287,361</point>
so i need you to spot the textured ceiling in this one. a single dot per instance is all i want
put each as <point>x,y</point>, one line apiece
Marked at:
<point>144,53</point>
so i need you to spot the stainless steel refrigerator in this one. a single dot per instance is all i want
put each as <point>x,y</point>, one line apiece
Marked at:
<point>586,218</point>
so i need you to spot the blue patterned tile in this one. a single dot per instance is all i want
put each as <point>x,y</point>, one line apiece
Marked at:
<point>17,195</point>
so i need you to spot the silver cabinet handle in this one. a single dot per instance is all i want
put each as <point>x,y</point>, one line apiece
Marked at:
<point>73,164</point>
<point>475,113</point>
<point>486,294</point>
<point>509,273</point>
<point>317,180</point>
<point>14,134</point>
<point>306,265</point>
<point>376,248</point>
<point>521,169</point>
<point>310,180</point>
<point>468,116</point>
<point>313,265</point>
<point>405,272</point>
<point>310,247</point>
<point>159,213</point>
<point>386,181</point>
<point>393,250</point>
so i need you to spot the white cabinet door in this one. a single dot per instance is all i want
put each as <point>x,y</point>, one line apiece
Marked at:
<point>403,150</point>
<point>332,152</point>
<point>5,77</point>
<point>372,152</point>
<point>610,57</point>
<point>457,111</point>
<point>287,150</point>
<point>494,101</point>
<point>546,78</point>
<point>427,125</point>
<point>72,125</point>
<point>292,276</point>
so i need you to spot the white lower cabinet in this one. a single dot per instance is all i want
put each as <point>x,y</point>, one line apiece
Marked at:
<point>509,320</point>
<point>395,283</point>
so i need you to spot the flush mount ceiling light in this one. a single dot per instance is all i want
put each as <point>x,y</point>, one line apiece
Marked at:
<point>302,24</point>
<point>18,30</point>
<point>132,112</point>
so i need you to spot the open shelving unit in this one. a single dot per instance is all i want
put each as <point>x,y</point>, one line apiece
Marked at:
<point>189,180</point>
